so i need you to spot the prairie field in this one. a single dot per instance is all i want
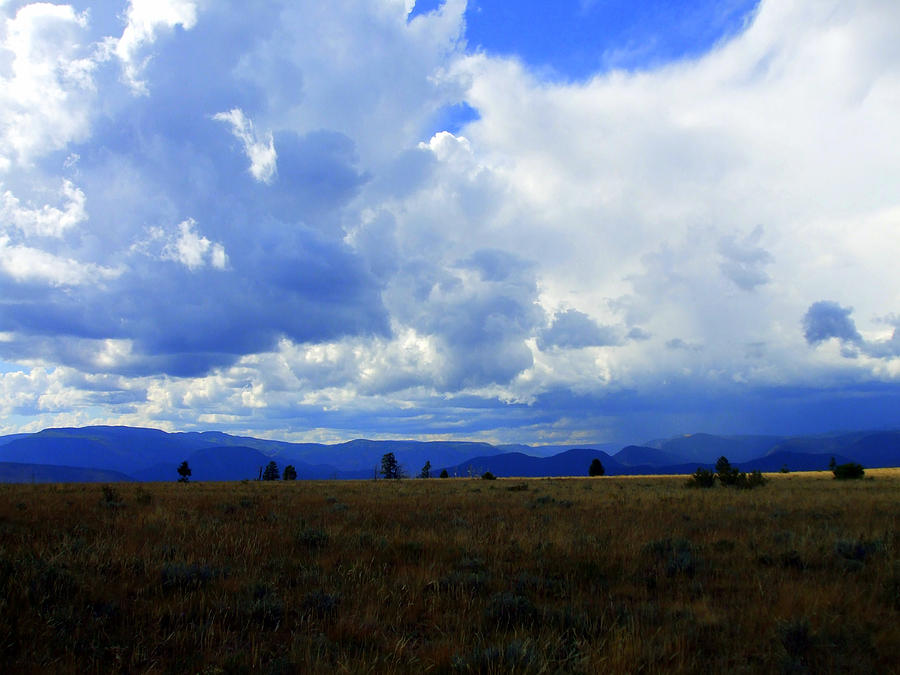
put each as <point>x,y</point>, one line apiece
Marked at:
<point>579,575</point>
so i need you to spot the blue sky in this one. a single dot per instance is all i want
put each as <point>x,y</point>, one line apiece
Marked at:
<point>515,222</point>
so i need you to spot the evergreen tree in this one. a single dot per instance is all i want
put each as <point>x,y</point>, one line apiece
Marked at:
<point>184,471</point>
<point>596,468</point>
<point>444,473</point>
<point>271,472</point>
<point>390,468</point>
<point>426,470</point>
<point>290,473</point>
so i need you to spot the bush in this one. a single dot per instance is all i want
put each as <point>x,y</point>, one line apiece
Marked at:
<point>701,478</point>
<point>848,471</point>
<point>596,468</point>
<point>111,497</point>
<point>487,475</point>
<point>755,478</point>
<point>444,473</point>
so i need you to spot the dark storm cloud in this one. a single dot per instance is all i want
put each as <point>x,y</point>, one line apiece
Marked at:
<point>825,320</point>
<point>573,329</point>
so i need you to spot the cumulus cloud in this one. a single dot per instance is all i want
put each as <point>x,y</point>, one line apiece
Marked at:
<point>260,152</point>
<point>572,329</point>
<point>27,264</point>
<point>145,19</point>
<point>46,86</point>
<point>382,268</point>
<point>194,250</point>
<point>46,221</point>
<point>825,320</point>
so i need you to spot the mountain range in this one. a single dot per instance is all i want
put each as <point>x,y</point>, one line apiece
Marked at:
<point>108,453</point>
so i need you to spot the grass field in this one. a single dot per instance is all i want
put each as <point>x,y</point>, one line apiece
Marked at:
<point>458,575</point>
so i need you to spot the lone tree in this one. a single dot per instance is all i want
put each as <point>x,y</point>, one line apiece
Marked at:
<point>184,472</point>
<point>444,473</point>
<point>390,468</point>
<point>426,470</point>
<point>271,472</point>
<point>596,468</point>
<point>290,473</point>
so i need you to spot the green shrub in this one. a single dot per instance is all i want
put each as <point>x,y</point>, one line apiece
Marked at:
<point>701,478</point>
<point>111,497</point>
<point>487,475</point>
<point>848,471</point>
<point>727,474</point>
<point>755,478</point>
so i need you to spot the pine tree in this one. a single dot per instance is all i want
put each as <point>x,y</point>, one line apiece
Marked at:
<point>426,470</point>
<point>390,468</point>
<point>596,468</point>
<point>184,471</point>
<point>290,473</point>
<point>271,472</point>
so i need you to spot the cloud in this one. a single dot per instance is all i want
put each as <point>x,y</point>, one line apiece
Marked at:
<point>47,221</point>
<point>380,271</point>
<point>145,19</point>
<point>261,153</point>
<point>678,344</point>
<point>46,86</point>
<point>743,260</point>
<point>572,329</point>
<point>26,264</point>
<point>825,320</point>
<point>193,250</point>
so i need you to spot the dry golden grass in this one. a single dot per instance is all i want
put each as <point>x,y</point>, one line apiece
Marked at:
<point>456,575</point>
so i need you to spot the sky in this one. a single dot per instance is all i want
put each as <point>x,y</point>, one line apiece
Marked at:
<point>586,221</point>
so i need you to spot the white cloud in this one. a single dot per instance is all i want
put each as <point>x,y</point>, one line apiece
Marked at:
<point>27,264</point>
<point>145,20</point>
<point>46,91</point>
<point>705,203</point>
<point>47,221</point>
<point>192,249</point>
<point>260,152</point>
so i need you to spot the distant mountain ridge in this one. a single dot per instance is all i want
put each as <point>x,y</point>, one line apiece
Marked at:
<point>112,453</point>
<point>13,472</point>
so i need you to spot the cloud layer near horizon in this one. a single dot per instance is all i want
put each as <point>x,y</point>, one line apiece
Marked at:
<point>252,219</point>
